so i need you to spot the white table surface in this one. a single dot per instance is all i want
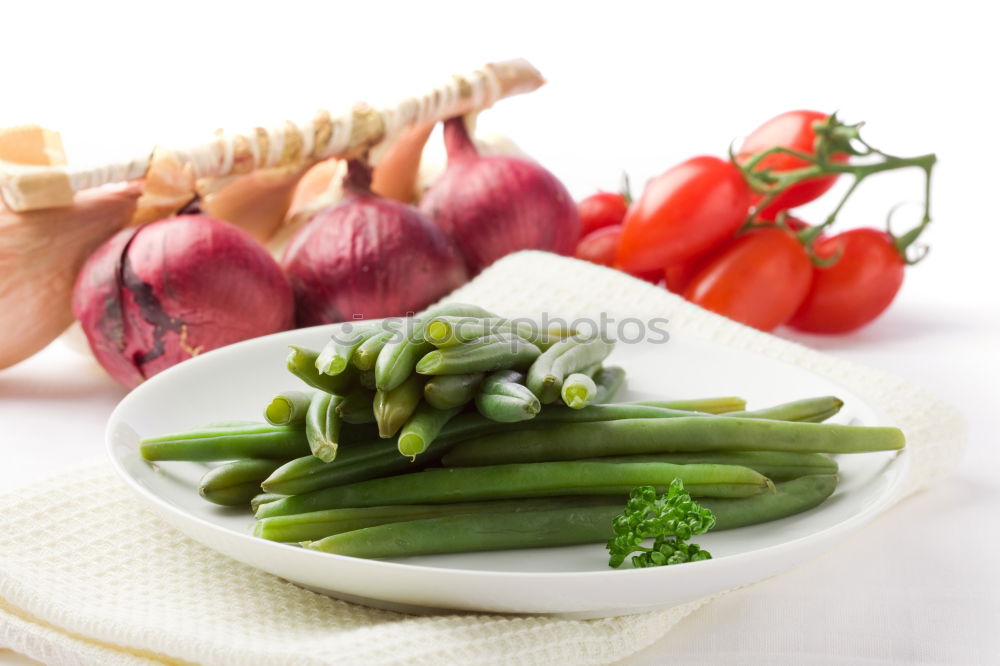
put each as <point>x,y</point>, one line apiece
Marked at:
<point>921,584</point>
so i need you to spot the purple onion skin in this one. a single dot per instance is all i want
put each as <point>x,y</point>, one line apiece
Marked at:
<point>369,257</point>
<point>156,295</point>
<point>493,205</point>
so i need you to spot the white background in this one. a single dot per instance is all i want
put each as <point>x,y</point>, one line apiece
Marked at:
<point>635,87</point>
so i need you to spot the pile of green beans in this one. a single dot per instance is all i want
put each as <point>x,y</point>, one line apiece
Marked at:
<point>458,430</point>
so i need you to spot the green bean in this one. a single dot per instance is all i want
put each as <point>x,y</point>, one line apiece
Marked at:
<point>356,406</point>
<point>493,352</point>
<point>464,533</point>
<point>581,356</point>
<point>354,463</point>
<point>235,483</point>
<point>366,355</point>
<point>423,428</point>
<point>505,528</point>
<point>393,408</point>
<point>335,357</point>
<point>609,380</point>
<point>573,358</point>
<point>792,497</point>
<point>608,412</point>
<point>504,398</point>
<point>288,408</point>
<point>447,391</point>
<point>578,390</point>
<point>366,378</point>
<point>811,409</point>
<point>441,486</point>
<point>573,441</point>
<point>323,426</point>
<point>315,525</point>
<point>228,443</point>
<point>775,465</point>
<point>471,425</point>
<point>302,364</point>
<point>310,474</point>
<point>448,331</point>
<point>264,498</point>
<point>400,355</point>
<point>706,405</point>
<point>468,425</point>
<point>540,379</point>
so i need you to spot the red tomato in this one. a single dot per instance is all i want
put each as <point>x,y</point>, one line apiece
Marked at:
<point>854,290</point>
<point>793,130</point>
<point>759,279</point>
<point>679,276</point>
<point>652,277</point>
<point>682,213</point>
<point>603,209</point>
<point>600,246</point>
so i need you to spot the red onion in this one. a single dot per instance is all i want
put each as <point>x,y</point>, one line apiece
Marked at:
<point>368,257</point>
<point>155,295</point>
<point>497,204</point>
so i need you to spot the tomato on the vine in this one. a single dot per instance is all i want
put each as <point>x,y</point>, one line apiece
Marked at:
<point>600,246</point>
<point>679,276</point>
<point>683,213</point>
<point>603,209</point>
<point>793,130</point>
<point>856,288</point>
<point>760,279</point>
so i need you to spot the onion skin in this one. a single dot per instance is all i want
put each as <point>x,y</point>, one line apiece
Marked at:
<point>497,204</point>
<point>256,202</point>
<point>41,253</point>
<point>156,295</point>
<point>368,257</point>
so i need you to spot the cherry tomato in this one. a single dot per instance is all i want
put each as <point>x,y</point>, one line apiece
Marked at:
<point>652,277</point>
<point>600,246</point>
<point>679,276</point>
<point>857,288</point>
<point>682,213</point>
<point>603,209</point>
<point>759,278</point>
<point>793,130</point>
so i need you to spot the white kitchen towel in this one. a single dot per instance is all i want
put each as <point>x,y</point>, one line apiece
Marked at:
<point>88,576</point>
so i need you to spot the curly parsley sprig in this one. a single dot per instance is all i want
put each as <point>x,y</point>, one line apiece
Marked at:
<point>670,520</point>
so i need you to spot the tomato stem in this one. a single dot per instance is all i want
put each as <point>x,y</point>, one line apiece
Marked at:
<point>626,189</point>
<point>833,138</point>
<point>906,241</point>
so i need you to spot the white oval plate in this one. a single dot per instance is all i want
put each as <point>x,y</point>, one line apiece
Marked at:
<point>237,381</point>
